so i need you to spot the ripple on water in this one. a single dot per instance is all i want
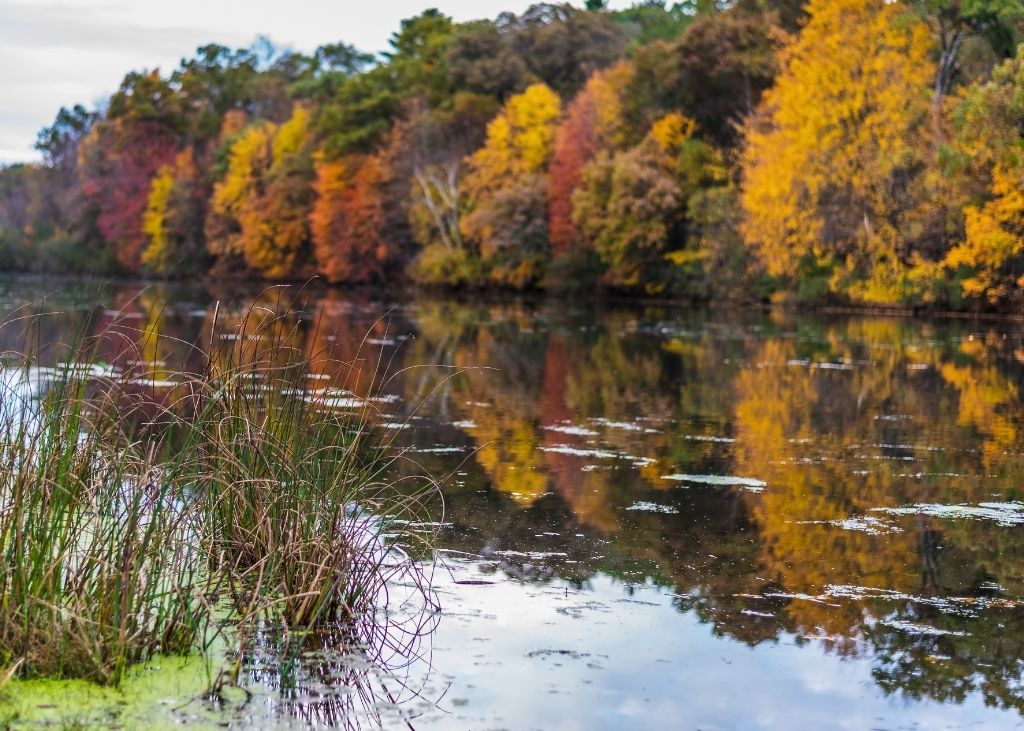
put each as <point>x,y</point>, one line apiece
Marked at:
<point>595,453</point>
<point>647,507</point>
<point>1004,514</point>
<point>916,628</point>
<point>864,524</point>
<point>747,483</point>
<point>571,429</point>
<point>961,605</point>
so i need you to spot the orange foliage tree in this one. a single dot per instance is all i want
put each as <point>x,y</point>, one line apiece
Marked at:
<point>347,220</point>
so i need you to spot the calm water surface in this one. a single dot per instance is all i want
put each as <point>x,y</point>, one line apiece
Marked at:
<point>667,517</point>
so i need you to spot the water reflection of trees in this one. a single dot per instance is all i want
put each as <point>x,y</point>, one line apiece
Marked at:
<point>840,418</point>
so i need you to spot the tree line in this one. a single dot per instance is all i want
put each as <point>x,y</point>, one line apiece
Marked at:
<point>861,151</point>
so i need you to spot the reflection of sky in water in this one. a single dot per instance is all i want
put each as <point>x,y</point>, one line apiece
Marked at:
<point>21,389</point>
<point>522,656</point>
<point>694,520</point>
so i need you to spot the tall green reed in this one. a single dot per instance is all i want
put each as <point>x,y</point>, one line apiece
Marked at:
<point>97,568</point>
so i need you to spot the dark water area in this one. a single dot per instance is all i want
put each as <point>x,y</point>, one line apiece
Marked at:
<point>669,517</point>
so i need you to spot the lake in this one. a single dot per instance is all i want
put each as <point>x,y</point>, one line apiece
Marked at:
<point>659,517</point>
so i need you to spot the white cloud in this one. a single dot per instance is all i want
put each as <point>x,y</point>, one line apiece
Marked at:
<point>59,53</point>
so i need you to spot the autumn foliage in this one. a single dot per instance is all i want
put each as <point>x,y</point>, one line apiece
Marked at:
<point>118,161</point>
<point>172,221</point>
<point>835,141</point>
<point>593,122</point>
<point>855,151</point>
<point>259,210</point>
<point>347,220</point>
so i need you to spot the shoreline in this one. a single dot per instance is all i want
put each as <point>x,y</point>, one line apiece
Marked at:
<point>597,297</point>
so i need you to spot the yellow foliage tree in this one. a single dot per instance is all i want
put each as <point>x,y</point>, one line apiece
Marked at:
<point>605,89</point>
<point>994,238</point>
<point>672,130</point>
<point>260,209</point>
<point>154,221</point>
<point>172,219</point>
<point>248,160</point>
<point>507,184</point>
<point>518,139</point>
<point>291,137</point>
<point>837,146</point>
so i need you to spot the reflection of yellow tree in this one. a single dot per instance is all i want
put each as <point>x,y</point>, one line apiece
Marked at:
<point>501,405</point>
<point>497,406</point>
<point>512,382</point>
<point>141,332</point>
<point>156,345</point>
<point>806,430</point>
<point>988,408</point>
<point>830,441</point>
<point>782,410</point>
<point>988,401</point>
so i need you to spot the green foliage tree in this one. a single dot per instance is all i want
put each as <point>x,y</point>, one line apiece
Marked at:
<point>417,60</point>
<point>989,262</point>
<point>645,22</point>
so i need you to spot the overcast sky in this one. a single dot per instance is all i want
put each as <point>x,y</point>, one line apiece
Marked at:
<point>57,53</point>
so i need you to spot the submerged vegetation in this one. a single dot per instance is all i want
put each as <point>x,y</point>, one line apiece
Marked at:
<point>149,510</point>
<point>701,149</point>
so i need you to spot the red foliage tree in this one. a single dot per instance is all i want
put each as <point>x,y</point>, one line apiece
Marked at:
<point>119,158</point>
<point>576,142</point>
<point>593,122</point>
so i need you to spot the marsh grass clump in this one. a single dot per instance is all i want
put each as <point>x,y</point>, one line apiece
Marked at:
<point>250,493</point>
<point>97,570</point>
<point>291,480</point>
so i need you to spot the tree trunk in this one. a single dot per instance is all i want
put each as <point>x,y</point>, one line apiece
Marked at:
<point>949,60</point>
